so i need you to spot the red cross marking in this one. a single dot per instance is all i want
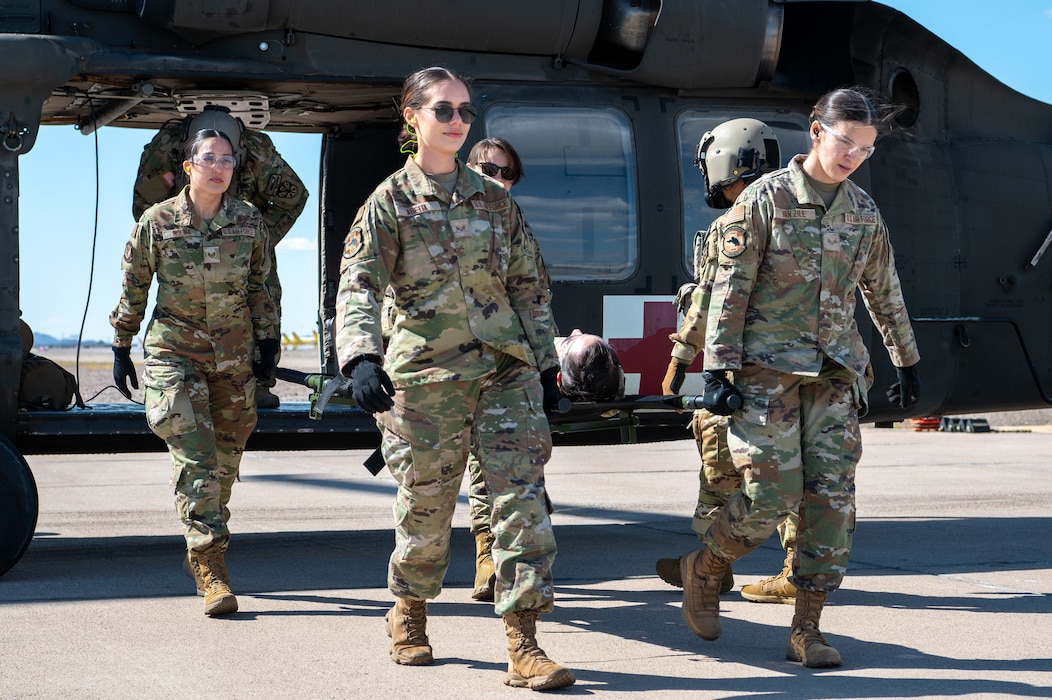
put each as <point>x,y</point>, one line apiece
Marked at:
<point>648,356</point>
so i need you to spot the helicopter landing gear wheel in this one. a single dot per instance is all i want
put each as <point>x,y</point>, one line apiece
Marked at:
<point>18,505</point>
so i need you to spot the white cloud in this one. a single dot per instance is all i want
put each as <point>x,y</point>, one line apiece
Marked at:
<point>290,243</point>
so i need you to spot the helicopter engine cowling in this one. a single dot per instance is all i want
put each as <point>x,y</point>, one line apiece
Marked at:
<point>712,44</point>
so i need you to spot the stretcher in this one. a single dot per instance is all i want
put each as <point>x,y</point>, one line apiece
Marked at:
<point>623,415</point>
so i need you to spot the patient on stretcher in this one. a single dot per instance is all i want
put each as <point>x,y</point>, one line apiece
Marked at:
<point>589,369</point>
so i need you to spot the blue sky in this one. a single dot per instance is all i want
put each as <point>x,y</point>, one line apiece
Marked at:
<point>57,196</point>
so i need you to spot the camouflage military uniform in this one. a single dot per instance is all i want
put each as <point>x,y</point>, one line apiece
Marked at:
<point>719,479</point>
<point>472,329</point>
<point>478,498</point>
<point>211,307</point>
<point>263,178</point>
<point>781,317</point>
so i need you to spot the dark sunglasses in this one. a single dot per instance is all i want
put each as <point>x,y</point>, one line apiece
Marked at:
<point>491,169</point>
<point>444,113</point>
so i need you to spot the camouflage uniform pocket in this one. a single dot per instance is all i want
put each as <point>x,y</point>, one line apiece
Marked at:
<point>755,409</point>
<point>861,391</point>
<point>168,408</point>
<point>710,433</point>
<point>415,428</point>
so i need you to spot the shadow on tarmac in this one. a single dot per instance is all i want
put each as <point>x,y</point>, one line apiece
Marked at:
<point>591,572</point>
<point>313,560</point>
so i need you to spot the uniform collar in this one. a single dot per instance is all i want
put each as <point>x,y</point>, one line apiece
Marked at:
<point>187,217</point>
<point>805,194</point>
<point>469,183</point>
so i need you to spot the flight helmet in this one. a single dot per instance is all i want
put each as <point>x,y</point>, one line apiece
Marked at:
<point>219,118</point>
<point>739,149</point>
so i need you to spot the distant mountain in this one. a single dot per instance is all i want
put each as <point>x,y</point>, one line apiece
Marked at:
<point>43,339</point>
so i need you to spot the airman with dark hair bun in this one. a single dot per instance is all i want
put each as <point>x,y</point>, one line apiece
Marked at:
<point>470,366</point>
<point>785,361</point>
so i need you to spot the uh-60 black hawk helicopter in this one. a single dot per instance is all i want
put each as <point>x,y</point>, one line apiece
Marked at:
<point>605,101</point>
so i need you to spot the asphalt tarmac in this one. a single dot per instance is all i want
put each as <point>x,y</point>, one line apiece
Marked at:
<point>949,593</point>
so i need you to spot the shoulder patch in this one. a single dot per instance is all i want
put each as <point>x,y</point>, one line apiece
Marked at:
<point>354,243</point>
<point>735,214</point>
<point>732,241</point>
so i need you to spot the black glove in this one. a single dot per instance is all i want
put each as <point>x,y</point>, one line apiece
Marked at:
<point>674,377</point>
<point>906,391</point>
<point>268,358</point>
<point>721,397</point>
<point>371,387</point>
<point>554,401</point>
<point>123,370</point>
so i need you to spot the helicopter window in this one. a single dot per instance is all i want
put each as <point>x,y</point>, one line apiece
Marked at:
<point>579,193</point>
<point>691,125</point>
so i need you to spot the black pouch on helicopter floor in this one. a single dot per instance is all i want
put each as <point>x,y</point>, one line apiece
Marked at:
<point>45,385</point>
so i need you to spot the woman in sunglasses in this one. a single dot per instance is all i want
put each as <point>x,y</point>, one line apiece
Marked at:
<point>792,251</point>
<point>471,364</point>
<point>496,158</point>
<point>211,256</point>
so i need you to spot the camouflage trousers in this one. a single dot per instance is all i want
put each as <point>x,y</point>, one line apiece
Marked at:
<point>478,496</point>
<point>427,437</point>
<point>205,416</point>
<point>796,442</point>
<point>719,478</point>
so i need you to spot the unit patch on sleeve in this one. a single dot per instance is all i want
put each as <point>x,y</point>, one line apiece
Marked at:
<point>354,243</point>
<point>732,241</point>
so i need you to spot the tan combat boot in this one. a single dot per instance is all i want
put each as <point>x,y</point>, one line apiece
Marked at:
<point>407,628</point>
<point>702,573</point>
<point>190,570</point>
<point>668,571</point>
<point>485,576</point>
<point>528,665</point>
<point>211,577</point>
<point>806,643</point>
<point>776,589</point>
